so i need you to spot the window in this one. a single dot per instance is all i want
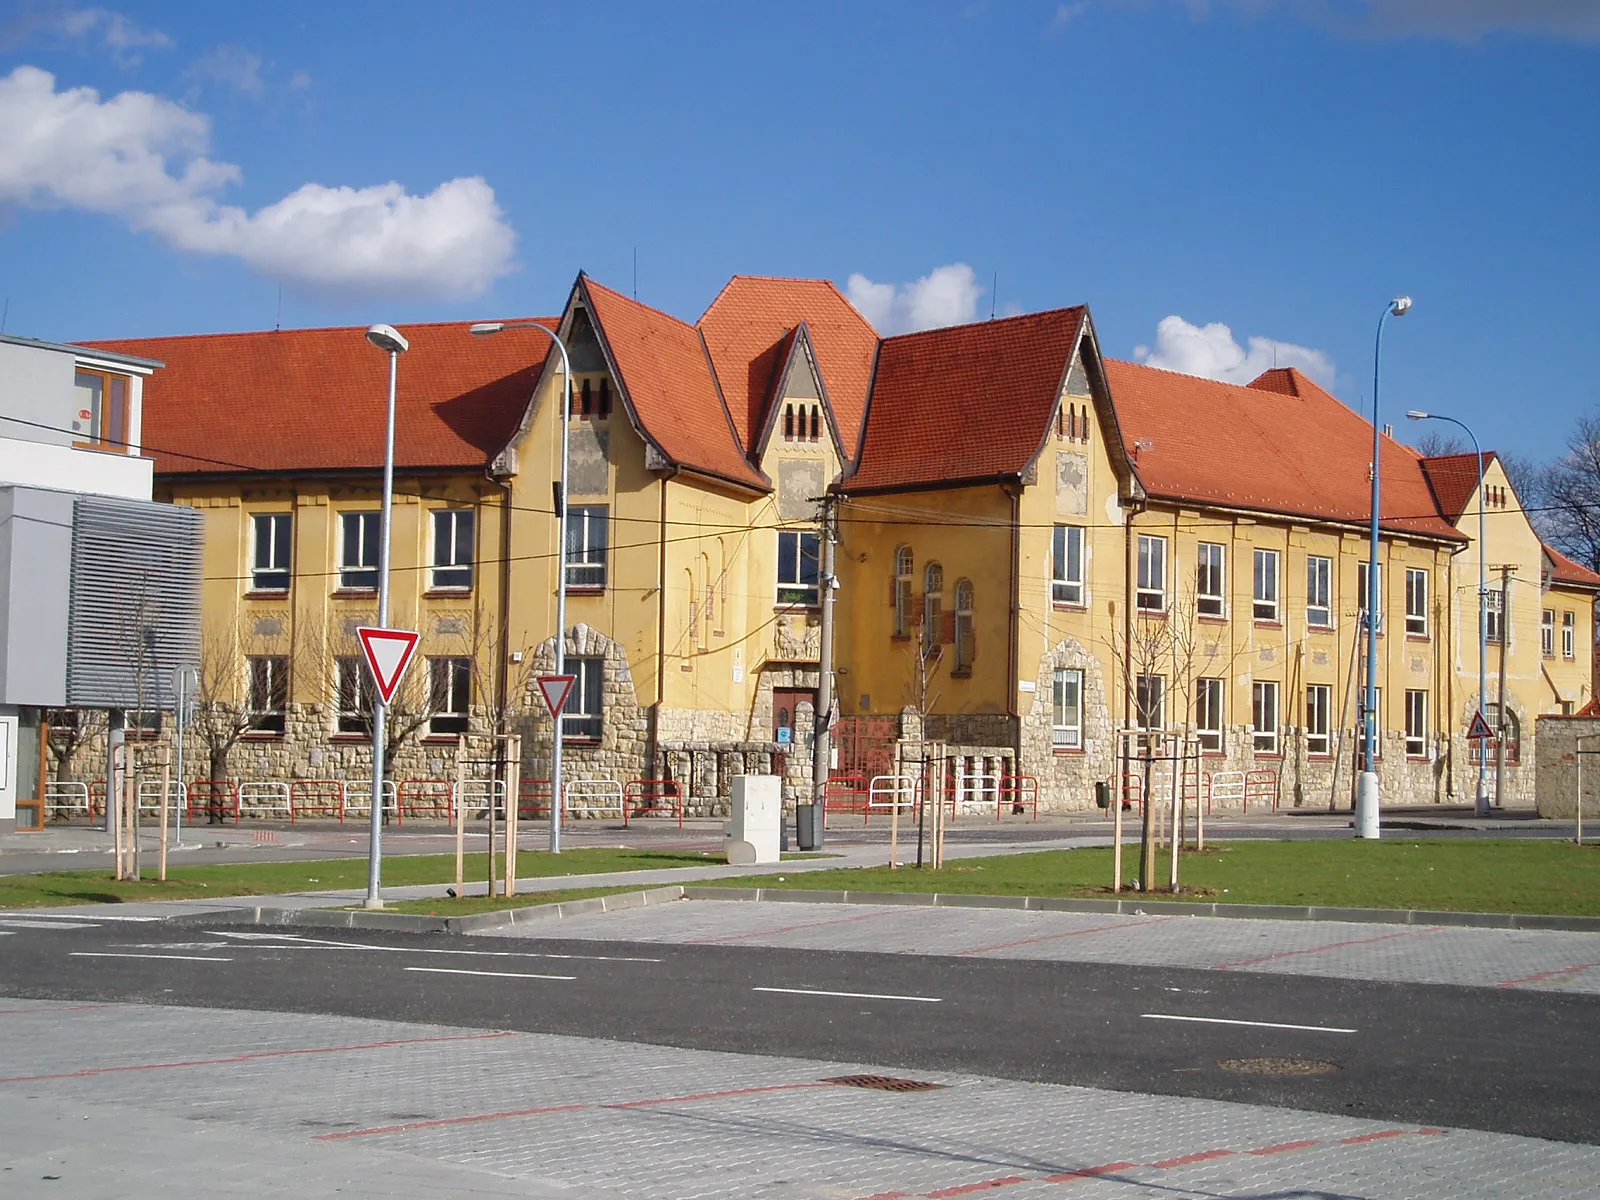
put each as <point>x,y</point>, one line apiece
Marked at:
<point>1319,699</point>
<point>1416,723</point>
<point>269,692</point>
<point>584,716</point>
<point>1416,603</point>
<point>1513,735</point>
<point>932,606</point>
<point>356,694</point>
<point>1264,716</point>
<point>358,551</point>
<point>1210,579</point>
<point>1266,585</point>
<point>101,416</point>
<point>449,694</point>
<point>797,568</point>
<point>1361,588</point>
<point>1208,716</point>
<point>1319,591</point>
<point>900,596</point>
<point>1152,590</point>
<point>1493,611</point>
<point>270,562</point>
<point>1066,709</point>
<point>802,422</point>
<point>452,548</point>
<point>587,535</point>
<point>1569,635</point>
<point>964,646</point>
<point>1066,565</point>
<point>1547,633</point>
<point>1150,702</point>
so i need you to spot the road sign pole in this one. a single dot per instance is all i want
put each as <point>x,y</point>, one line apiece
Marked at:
<point>380,705</point>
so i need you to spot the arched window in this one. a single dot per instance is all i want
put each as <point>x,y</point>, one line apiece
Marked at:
<point>816,421</point>
<point>694,615</point>
<point>900,592</point>
<point>964,641</point>
<point>586,405</point>
<point>605,397</point>
<point>788,422</point>
<point>932,607</point>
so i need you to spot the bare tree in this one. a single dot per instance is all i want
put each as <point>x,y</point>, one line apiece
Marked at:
<point>1435,443</point>
<point>1570,496</point>
<point>222,709</point>
<point>71,729</point>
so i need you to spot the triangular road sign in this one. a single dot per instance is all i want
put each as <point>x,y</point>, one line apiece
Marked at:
<point>388,653</point>
<point>1479,729</point>
<point>554,688</point>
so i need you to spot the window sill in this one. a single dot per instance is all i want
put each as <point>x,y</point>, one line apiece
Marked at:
<point>267,594</point>
<point>1318,758</point>
<point>358,738</point>
<point>1267,755</point>
<point>361,593</point>
<point>587,589</point>
<point>262,735</point>
<point>961,674</point>
<point>442,739</point>
<point>899,637</point>
<point>1210,619</point>
<point>1418,758</point>
<point>1318,627</point>
<point>581,742</point>
<point>796,608</point>
<point>102,448</point>
<point>1151,614</point>
<point>1069,751</point>
<point>1068,606</point>
<point>447,594</point>
<point>1266,623</point>
<point>1418,637</point>
<point>1213,754</point>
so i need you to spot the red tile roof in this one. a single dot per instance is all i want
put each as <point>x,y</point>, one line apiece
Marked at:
<point>968,402</point>
<point>1454,477</point>
<point>1300,452</point>
<point>666,375</point>
<point>753,316</point>
<point>1565,570</point>
<point>314,399</point>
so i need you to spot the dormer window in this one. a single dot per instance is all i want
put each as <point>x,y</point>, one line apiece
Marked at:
<point>802,422</point>
<point>591,400</point>
<point>1072,422</point>
<point>100,417</point>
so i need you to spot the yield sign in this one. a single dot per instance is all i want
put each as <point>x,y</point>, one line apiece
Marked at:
<point>388,654</point>
<point>554,689</point>
<point>1479,729</point>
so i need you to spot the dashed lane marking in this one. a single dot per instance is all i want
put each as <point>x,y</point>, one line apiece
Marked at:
<point>493,974</point>
<point>11,923</point>
<point>1254,1024</point>
<point>289,941</point>
<point>849,995</point>
<point>127,954</point>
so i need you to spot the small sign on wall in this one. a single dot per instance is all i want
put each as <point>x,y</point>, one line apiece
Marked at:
<point>738,665</point>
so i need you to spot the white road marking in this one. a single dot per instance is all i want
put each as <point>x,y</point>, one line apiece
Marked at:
<point>289,941</point>
<point>495,974</point>
<point>20,923</point>
<point>68,918</point>
<point>850,995</point>
<point>1256,1024</point>
<point>116,954</point>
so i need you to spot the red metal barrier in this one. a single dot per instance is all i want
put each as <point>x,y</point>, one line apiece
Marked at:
<point>1132,791</point>
<point>846,793</point>
<point>97,798</point>
<point>425,798</point>
<point>1261,785</point>
<point>207,794</point>
<point>315,796</point>
<point>533,798</point>
<point>1020,793</point>
<point>643,798</point>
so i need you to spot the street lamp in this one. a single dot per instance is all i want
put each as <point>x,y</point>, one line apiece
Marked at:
<point>487,329</point>
<point>388,339</point>
<point>1481,802</point>
<point>1367,786</point>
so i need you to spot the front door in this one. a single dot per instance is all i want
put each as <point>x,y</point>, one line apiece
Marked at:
<point>8,767</point>
<point>785,703</point>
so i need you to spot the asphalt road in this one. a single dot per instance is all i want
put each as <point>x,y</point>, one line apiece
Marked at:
<point>1501,1060</point>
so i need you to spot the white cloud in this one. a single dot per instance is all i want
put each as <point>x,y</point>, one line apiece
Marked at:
<point>112,31</point>
<point>233,67</point>
<point>1066,14</point>
<point>142,159</point>
<point>946,295</point>
<point>1211,352</point>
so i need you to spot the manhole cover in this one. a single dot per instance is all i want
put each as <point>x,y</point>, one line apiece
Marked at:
<point>1278,1066</point>
<point>884,1083</point>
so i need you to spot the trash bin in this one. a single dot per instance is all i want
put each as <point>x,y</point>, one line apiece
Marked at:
<point>807,828</point>
<point>1102,794</point>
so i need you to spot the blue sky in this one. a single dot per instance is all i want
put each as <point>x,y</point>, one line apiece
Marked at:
<point>1278,167</point>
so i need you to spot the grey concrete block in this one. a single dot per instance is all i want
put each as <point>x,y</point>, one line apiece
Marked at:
<point>957,900</point>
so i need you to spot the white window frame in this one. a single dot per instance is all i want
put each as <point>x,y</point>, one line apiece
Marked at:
<point>1493,615</point>
<point>795,548</point>
<point>449,695</point>
<point>1547,633</point>
<point>1416,723</point>
<point>1211,568</point>
<point>964,631</point>
<point>1066,720</point>
<point>1264,716</point>
<point>354,569</point>
<point>1145,689</point>
<point>900,595</point>
<point>932,607</point>
<point>1151,594</point>
<point>267,692</point>
<point>353,680</point>
<point>278,543</point>
<point>1569,635</point>
<point>1264,586</point>
<point>1319,707</point>
<point>1319,591</point>
<point>588,543</point>
<point>1418,587</point>
<point>1361,589</point>
<point>1066,575</point>
<point>453,549</point>
<point>1210,717</point>
<point>583,717</point>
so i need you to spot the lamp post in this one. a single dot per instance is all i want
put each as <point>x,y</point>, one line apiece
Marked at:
<point>487,329</point>
<point>388,339</point>
<point>1481,801</point>
<point>1367,786</point>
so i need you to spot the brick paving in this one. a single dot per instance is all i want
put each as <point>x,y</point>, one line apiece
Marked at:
<point>113,1100</point>
<point>1546,960</point>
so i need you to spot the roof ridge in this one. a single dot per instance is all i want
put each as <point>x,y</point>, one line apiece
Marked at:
<point>186,337</point>
<point>660,312</point>
<point>1015,319</point>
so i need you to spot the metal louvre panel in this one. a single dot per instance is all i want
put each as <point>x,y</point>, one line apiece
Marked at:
<point>135,602</point>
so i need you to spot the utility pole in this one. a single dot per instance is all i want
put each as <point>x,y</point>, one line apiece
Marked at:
<point>1500,706</point>
<point>821,739</point>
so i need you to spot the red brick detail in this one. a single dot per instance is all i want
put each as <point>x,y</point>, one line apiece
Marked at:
<point>1089,1172</point>
<point>967,1189</point>
<point>1203,1156</point>
<point>1285,1147</point>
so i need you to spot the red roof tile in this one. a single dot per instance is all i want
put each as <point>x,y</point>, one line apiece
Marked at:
<point>752,318</point>
<point>1565,570</point>
<point>1454,477</point>
<point>965,403</point>
<point>1300,453</point>
<point>314,399</point>
<point>666,375</point>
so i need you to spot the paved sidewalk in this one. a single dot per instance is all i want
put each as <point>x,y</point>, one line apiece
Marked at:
<point>112,1100</point>
<point>1537,959</point>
